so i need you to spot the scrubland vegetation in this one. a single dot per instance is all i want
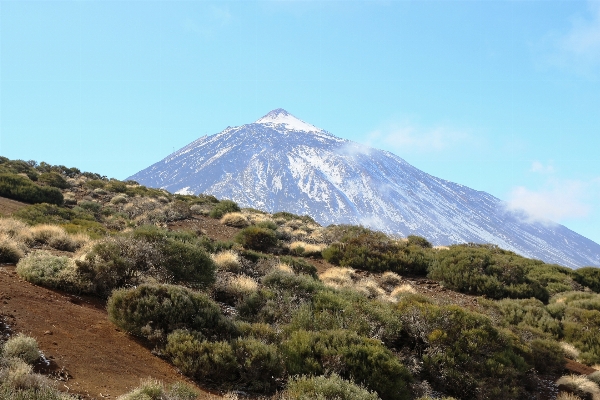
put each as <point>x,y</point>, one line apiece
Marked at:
<point>254,314</point>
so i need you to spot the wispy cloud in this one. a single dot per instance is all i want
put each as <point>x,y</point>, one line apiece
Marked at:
<point>558,200</point>
<point>409,136</point>
<point>579,48</point>
<point>541,168</point>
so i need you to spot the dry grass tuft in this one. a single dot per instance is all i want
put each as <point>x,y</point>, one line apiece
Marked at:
<point>391,278</point>
<point>11,251</point>
<point>55,237</point>
<point>235,219</point>
<point>15,229</point>
<point>227,261</point>
<point>285,268</point>
<point>403,289</point>
<point>338,277</point>
<point>369,288</point>
<point>306,249</point>
<point>570,351</point>
<point>567,396</point>
<point>240,286</point>
<point>580,385</point>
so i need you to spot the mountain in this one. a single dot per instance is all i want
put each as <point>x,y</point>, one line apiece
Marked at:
<point>281,163</point>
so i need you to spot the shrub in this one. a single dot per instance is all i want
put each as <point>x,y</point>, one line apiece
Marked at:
<point>53,179</point>
<point>20,188</point>
<point>227,261</point>
<point>363,360</point>
<point>186,263</point>
<point>463,353</point>
<point>260,366</point>
<point>224,207</point>
<point>116,262</point>
<point>299,265</point>
<point>22,347</point>
<point>586,340</point>
<point>213,362</point>
<point>325,388</point>
<point>116,186</point>
<point>289,216</point>
<point>594,377</point>
<point>374,251</point>
<point>486,271</point>
<point>588,276</point>
<point>419,241</point>
<point>547,355</point>
<point>45,269</point>
<point>119,199</point>
<point>256,238</point>
<point>529,313</point>
<point>235,219</point>
<point>44,214</point>
<point>391,278</point>
<point>159,309</point>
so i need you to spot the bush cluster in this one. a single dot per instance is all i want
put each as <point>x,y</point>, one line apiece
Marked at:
<point>223,207</point>
<point>23,189</point>
<point>256,238</point>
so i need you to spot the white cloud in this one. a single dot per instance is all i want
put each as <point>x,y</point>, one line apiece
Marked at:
<point>558,201</point>
<point>408,136</point>
<point>579,48</point>
<point>539,167</point>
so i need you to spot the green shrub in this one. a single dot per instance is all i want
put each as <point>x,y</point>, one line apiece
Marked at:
<point>22,347</point>
<point>187,263</point>
<point>260,366</point>
<point>485,270</point>
<point>213,362</point>
<point>588,276</point>
<point>365,361</point>
<point>20,188</point>
<point>529,313</point>
<point>374,251</point>
<point>53,179</point>
<point>325,388</point>
<point>299,265</point>
<point>419,241</point>
<point>117,262</point>
<point>45,269</point>
<point>547,356</point>
<point>289,216</point>
<point>44,214</point>
<point>116,186</point>
<point>463,353</point>
<point>156,310</point>
<point>332,310</point>
<point>256,238</point>
<point>268,225</point>
<point>260,331</point>
<point>582,328</point>
<point>223,207</point>
<point>95,183</point>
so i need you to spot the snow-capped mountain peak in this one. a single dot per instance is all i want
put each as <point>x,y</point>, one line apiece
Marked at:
<point>281,117</point>
<point>281,163</point>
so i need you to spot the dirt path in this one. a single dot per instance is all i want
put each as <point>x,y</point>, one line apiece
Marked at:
<point>76,336</point>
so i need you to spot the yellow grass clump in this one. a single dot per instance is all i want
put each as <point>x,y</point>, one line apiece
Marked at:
<point>241,285</point>
<point>567,396</point>
<point>403,289</point>
<point>227,261</point>
<point>369,288</point>
<point>306,249</point>
<point>235,219</point>
<point>580,385</point>
<point>284,267</point>
<point>55,237</point>
<point>391,278</point>
<point>11,251</point>
<point>14,228</point>
<point>338,277</point>
<point>570,351</point>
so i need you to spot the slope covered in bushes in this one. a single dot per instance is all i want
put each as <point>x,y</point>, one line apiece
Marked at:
<point>253,313</point>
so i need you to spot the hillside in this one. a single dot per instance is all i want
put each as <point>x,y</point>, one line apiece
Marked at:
<point>280,163</point>
<point>259,305</point>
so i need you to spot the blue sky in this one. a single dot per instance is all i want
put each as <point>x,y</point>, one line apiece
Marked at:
<point>501,96</point>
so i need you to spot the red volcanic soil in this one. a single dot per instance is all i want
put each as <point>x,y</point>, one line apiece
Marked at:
<point>88,355</point>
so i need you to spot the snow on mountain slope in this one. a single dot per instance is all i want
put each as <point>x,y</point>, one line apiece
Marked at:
<point>280,163</point>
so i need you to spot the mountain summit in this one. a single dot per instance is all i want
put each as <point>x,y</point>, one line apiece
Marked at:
<point>281,117</point>
<point>281,163</point>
